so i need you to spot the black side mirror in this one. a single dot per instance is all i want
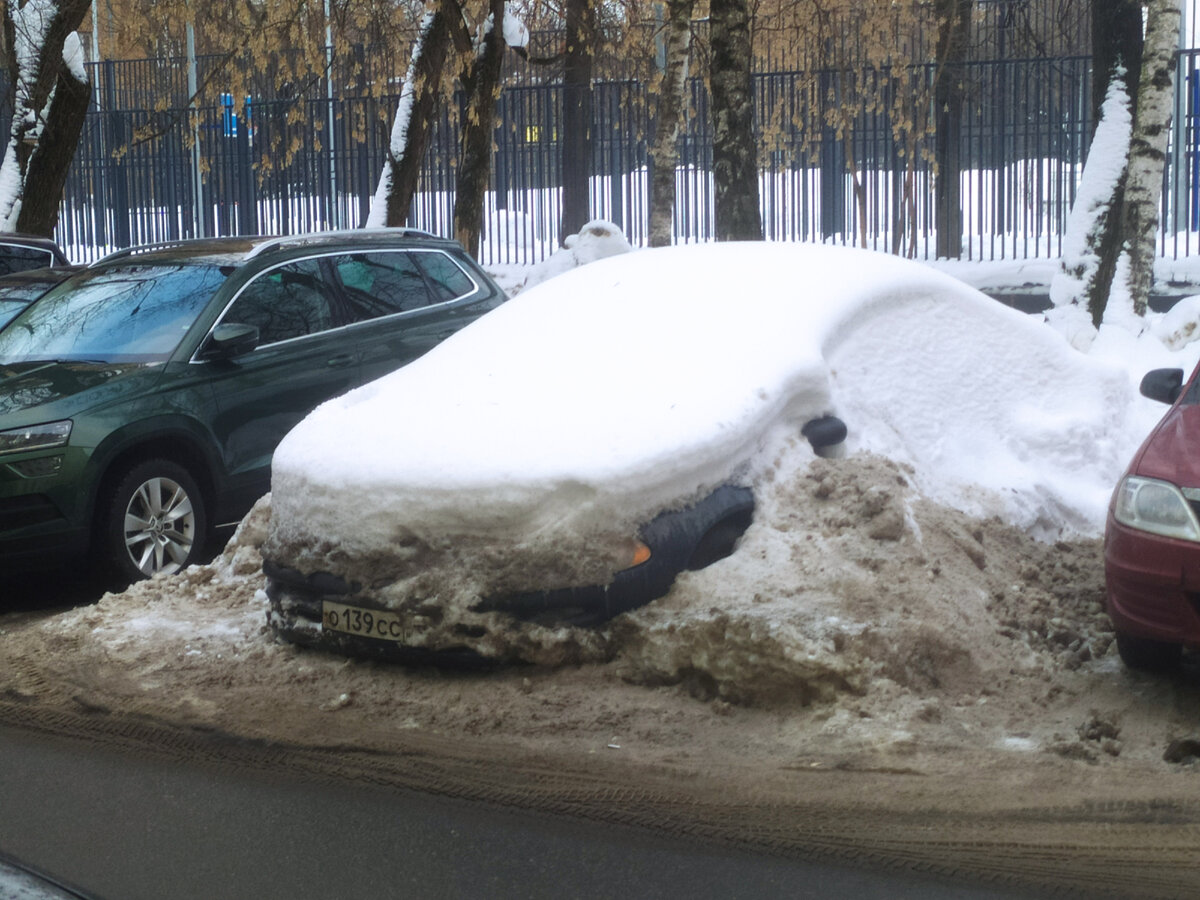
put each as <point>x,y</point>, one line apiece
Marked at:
<point>230,340</point>
<point>825,432</point>
<point>1162,385</point>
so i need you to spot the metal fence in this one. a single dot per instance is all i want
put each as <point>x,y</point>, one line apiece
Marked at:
<point>284,164</point>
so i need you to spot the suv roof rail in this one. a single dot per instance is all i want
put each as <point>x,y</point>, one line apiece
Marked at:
<point>138,249</point>
<point>299,240</point>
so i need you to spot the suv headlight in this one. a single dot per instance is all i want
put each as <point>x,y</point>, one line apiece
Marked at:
<point>1158,507</point>
<point>35,437</point>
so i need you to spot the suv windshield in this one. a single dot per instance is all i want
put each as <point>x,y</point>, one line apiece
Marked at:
<point>127,314</point>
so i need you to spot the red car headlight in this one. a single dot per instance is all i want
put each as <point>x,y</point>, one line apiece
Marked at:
<point>1158,507</point>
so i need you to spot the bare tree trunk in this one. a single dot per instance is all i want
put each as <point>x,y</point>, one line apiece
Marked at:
<point>735,158</point>
<point>860,190</point>
<point>1116,53</point>
<point>665,152</point>
<point>36,69</point>
<point>949,89</point>
<point>1103,237</point>
<point>1148,146</point>
<point>482,83</point>
<point>52,157</point>
<point>1089,249</point>
<point>1116,44</point>
<point>577,115</point>
<point>414,117</point>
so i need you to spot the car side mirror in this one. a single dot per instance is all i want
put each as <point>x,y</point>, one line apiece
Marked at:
<point>824,433</point>
<point>230,340</point>
<point>1162,385</point>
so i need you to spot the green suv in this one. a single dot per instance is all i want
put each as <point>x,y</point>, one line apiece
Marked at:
<point>142,399</point>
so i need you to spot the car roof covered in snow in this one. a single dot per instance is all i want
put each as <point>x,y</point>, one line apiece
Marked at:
<point>639,381</point>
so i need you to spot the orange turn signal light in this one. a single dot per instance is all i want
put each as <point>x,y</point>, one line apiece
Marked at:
<point>641,553</point>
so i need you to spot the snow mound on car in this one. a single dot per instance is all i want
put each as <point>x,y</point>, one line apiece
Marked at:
<point>534,442</point>
<point>850,582</point>
<point>996,414</point>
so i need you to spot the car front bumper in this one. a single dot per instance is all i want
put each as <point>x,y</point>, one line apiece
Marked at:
<point>299,607</point>
<point>1153,585</point>
<point>299,603</point>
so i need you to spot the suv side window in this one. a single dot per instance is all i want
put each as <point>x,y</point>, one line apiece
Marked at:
<point>284,303</point>
<point>15,258</point>
<point>381,283</point>
<point>448,279</point>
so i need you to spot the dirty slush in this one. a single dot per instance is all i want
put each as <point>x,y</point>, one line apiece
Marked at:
<point>870,676</point>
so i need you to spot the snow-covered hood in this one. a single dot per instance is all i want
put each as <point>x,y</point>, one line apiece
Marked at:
<point>628,384</point>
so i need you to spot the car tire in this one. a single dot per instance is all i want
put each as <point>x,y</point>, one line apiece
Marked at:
<point>1147,655</point>
<point>154,522</point>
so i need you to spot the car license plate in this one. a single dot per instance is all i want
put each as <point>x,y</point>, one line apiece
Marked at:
<point>372,623</point>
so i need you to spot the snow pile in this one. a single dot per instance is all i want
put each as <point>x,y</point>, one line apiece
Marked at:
<point>1177,327</point>
<point>523,452</point>
<point>995,413</point>
<point>174,633</point>
<point>596,240</point>
<point>849,582</point>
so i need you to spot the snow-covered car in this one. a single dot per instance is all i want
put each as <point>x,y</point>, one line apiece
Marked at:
<point>1152,538</point>
<point>521,477</point>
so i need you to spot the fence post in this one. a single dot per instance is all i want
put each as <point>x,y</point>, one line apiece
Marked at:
<point>194,110</point>
<point>247,187</point>
<point>1178,162</point>
<point>335,210</point>
<point>833,186</point>
<point>118,197</point>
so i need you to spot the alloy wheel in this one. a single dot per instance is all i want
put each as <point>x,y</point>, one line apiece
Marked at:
<point>160,526</point>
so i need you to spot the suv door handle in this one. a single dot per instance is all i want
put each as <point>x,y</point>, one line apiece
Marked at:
<point>340,362</point>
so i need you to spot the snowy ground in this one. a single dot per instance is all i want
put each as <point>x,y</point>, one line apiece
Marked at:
<point>923,656</point>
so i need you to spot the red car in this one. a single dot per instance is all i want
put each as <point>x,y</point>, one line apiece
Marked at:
<point>1152,539</point>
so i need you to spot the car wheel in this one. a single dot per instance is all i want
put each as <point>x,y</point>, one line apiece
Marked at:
<point>155,520</point>
<point>1148,655</point>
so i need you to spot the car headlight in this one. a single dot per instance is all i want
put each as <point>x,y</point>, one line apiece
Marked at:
<point>35,437</point>
<point>1158,507</point>
<point>636,553</point>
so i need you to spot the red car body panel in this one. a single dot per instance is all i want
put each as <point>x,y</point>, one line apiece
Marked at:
<point>1153,582</point>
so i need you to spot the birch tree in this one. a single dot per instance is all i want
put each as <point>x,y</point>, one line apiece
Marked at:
<point>664,153</point>
<point>419,98</point>
<point>1148,149</point>
<point>50,103</point>
<point>1116,267</point>
<point>735,151</point>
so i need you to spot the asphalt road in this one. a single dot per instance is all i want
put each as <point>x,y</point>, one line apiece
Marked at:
<point>126,826</point>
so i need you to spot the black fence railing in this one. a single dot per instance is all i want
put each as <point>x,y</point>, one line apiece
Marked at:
<point>845,157</point>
